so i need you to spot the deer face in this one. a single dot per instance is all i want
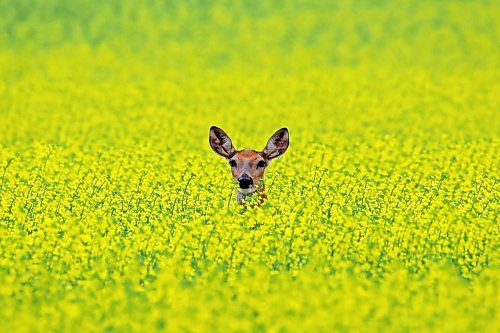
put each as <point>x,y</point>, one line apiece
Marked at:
<point>248,165</point>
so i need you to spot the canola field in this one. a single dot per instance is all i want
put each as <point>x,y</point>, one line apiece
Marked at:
<point>116,216</point>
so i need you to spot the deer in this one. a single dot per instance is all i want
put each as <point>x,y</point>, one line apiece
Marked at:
<point>248,165</point>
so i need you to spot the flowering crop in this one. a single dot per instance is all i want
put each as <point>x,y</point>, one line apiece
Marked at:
<point>115,215</point>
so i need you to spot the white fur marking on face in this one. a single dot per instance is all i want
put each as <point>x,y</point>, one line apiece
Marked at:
<point>246,190</point>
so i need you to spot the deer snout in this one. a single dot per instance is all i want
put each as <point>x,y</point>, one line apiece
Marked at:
<point>245,181</point>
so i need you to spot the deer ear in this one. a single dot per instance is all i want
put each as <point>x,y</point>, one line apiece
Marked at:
<point>277,144</point>
<point>220,142</point>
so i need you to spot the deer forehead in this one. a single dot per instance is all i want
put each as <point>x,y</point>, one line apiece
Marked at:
<point>248,155</point>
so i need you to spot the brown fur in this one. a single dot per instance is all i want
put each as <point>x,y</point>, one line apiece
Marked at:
<point>247,161</point>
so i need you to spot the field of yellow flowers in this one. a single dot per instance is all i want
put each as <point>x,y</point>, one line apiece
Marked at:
<point>116,216</point>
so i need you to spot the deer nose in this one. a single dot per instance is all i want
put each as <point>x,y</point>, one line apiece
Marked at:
<point>245,181</point>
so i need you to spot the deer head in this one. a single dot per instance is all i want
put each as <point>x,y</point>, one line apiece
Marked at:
<point>248,165</point>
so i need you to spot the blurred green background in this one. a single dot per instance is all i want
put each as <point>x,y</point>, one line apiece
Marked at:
<point>253,36</point>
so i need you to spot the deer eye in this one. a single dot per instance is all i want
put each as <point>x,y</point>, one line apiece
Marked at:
<point>232,163</point>
<point>261,164</point>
